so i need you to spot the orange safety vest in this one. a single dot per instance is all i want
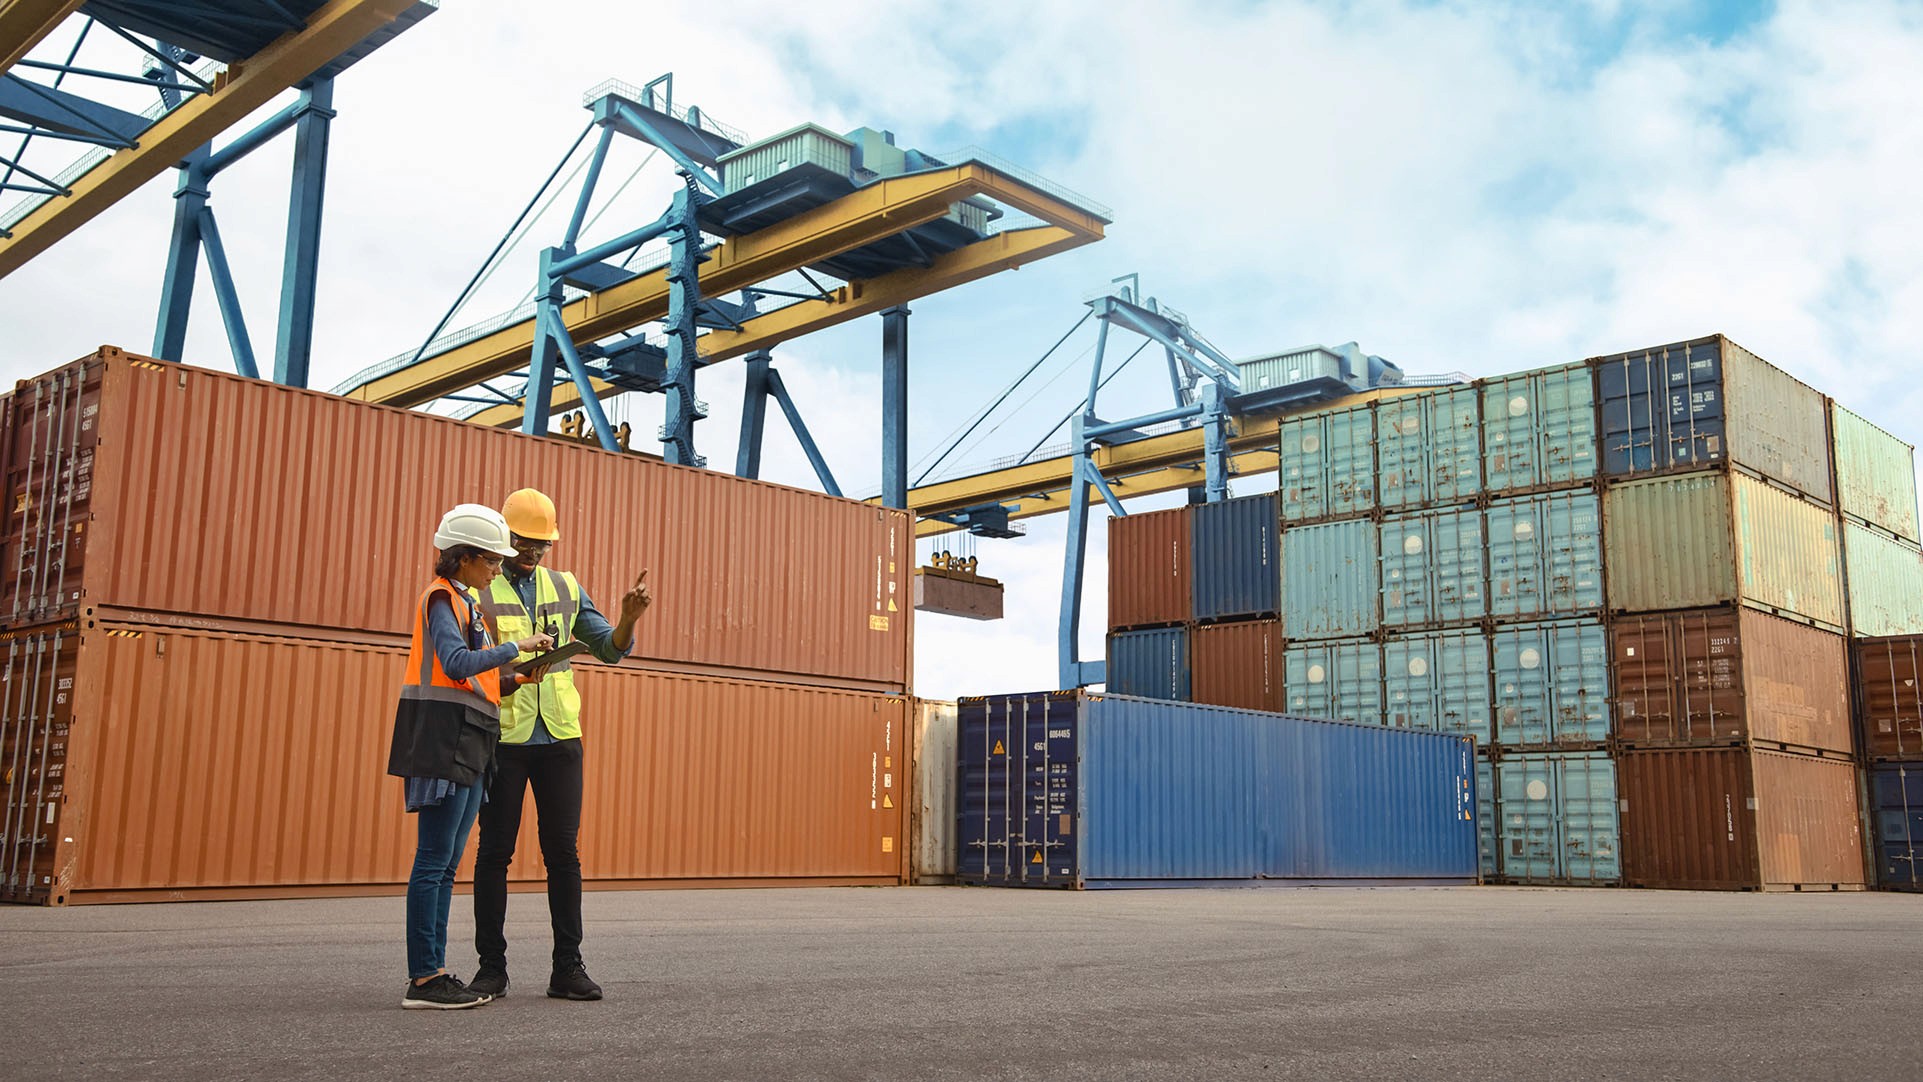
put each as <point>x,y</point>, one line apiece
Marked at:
<point>444,728</point>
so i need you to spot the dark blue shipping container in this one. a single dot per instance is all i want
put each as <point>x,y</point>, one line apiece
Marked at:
<point>1153,663</point>
<point>1237,559</point>
<point>1077,790</point>
<point>1896,809</point>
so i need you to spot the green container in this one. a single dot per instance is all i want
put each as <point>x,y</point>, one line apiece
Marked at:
<point>1326,467</point>
<point>1429,448</point>
<point>1438,681</point>
<point>1538,428</point>
<point>1885,583</point>
<point>1875,474</point>
<point>1339,681</point>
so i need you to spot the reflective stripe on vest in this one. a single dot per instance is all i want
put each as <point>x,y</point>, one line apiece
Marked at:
<point>425,680</point>
<point>557,602</point>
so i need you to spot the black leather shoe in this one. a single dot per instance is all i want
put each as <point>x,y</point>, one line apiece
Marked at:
<point>573,983</point>
<point>489,982</point>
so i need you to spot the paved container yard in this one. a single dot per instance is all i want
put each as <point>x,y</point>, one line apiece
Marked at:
<point>964,983</point>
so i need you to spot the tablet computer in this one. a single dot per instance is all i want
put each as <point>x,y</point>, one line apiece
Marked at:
<point>554,656</point>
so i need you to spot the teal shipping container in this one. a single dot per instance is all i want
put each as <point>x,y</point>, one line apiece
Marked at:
<point>1551,682</point>
<point>1884,577</point>
<point>1439,681</point>
<point>1875,474</point>
<point>1429,448</point>
<point>1432,568</point>
<point>1330,579</point>
<point>1327,464</point>
<point>1557,819</point>
<point>1545,555</point>
<point>1338,680</point>
<point>1539,428</point>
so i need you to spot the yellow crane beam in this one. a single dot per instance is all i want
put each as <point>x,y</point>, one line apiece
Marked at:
<point>244,87</point>
<point>863,217</point>
<point>1003,251</point>
<point>25,23</point>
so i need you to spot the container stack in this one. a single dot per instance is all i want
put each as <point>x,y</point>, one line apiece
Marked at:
<point>205,596</point>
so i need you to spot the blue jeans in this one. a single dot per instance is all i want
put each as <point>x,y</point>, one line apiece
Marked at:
<point>443,834</point>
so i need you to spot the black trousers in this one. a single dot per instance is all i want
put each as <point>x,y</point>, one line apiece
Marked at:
<point>553,771</point>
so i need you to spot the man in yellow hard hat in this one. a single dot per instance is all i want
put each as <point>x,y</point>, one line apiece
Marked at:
<point>541,745</point>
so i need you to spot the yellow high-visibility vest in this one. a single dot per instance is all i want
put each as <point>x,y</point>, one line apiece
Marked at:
<point>557,601</point>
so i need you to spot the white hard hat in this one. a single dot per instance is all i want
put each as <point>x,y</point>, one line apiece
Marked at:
<point>474,524</point>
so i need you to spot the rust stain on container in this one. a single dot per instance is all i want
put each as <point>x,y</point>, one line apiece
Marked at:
<point>1238,665</point>
<point>1739,819</point>
<point>1149,568</point>
<point>143,487</point>
<point>1720,675</point>
<point>155,782</point>
<point>1889,696</point>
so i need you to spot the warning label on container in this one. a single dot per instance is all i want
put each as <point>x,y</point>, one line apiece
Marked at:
<point>999,750</point>
<point>887,844</point>
<point>1038,857</point>
<point>877,623</point>
<point>886,802</point>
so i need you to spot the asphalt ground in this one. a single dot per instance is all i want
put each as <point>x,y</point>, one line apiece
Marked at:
<point>970,983</point>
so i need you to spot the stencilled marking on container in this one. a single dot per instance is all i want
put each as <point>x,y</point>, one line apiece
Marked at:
<point>1317,674</point>
<point>1729,818</point>
<point>874,772</point>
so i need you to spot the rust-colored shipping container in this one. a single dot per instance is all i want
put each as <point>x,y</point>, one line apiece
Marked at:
<point>1238,665</point>
<point>1739,819</point>
<point>1149,568</point>
<point>1729,674</point>
<point>157,493</point>
<point>1889,696</point>
<point>148,763</point>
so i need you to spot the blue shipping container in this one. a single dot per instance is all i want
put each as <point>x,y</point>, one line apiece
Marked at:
<point>1340,680</point>
<point>1432,568</point>
<point>1429,448</point>
<point>1076,790</point>
<point>1438,681</point>
<point>1330,578</point>
<point>1896,807</point>
<point>1556,817</point>
<point>1327,465</point>
<point>1153,663</point>
<point>1551,682</point>
<point>1486,815</point>
<point>1236,558</point>
<point>1539,428</point>
<point>1662,408</point>
<point>1546,555</point>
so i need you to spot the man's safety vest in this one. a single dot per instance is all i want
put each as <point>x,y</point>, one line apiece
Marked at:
<point>557,601</point>
<point>444,728</point>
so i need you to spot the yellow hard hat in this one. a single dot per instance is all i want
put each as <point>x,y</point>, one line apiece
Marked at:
<point>531,514</point>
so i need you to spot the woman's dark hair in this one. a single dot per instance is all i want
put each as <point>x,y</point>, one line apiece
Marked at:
<point>451,559</point>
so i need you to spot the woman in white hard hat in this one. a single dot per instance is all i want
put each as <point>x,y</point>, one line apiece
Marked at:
<point>445,730</point>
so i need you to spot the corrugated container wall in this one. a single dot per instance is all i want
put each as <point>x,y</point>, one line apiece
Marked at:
<point>1875,474</point>
<point>1707,402</point>
<point>1330,580</point>
<point>1237,559</point>
<point>1429,448</point>
<point>1074,790</point>
<point>1736,819</point>
<point>1339,680</point>
<point>1538,428</point>
<point>1432,568</point>
<point>1889,696</point>
<point>1488,861</point>
<point>1885,582</point>
<point>1556,818</point>
<point>1551,683</point>
<point>1152,663</point>
<point>932,823</point>
<point>1438,681</point>
<point>97,446</point>
<point>1327,466</point>
<point>1237,665</point>
<point>1896,813</point>
<point>1545,556</point>
<point>1708,539</point>
<point>1149,568</point>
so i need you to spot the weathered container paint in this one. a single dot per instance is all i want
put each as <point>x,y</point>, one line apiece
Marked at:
<point>1889,696</point>
<point>1330,577</point>
<point>1710,402</point>
<point>1327,466</point>
<point>1067,789</point>
<point>1237,558</point>
<point>1432,568</point>
<point>126,495</point>
<point>1551,682</point>
<point>1875,474</point>
<point>1438,681</point>
<point>1739,819</point>
<point>1556,816</point>
<point>127,786</point>
<point>1545,555</point>
<point>1538,428</point>
<point>1429,448</point>
<point>932,800</point>
<point>1884,577</point>
<point>1708,539</point>
<point>1237,665</point>
<point>1729,674</point>
<point>1150,568</point>
<point>1337,680</point>
<point>1152,663</point>
<point>1896,815</point>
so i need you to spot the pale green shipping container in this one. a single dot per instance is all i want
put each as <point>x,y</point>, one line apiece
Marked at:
<point>1885,583</point>
<point>1875,474</point>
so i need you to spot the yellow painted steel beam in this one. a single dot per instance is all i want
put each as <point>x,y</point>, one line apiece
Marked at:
<point>244,87</point>
<point>867,215</point>
<point>25,23</point>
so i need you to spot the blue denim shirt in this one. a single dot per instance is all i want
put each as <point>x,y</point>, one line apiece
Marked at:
<point>461,656</point>
<point>589,626</point>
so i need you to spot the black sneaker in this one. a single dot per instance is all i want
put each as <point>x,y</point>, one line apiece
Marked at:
<point>490,982</point>
<point>573,983</point>
<point>443,993</point>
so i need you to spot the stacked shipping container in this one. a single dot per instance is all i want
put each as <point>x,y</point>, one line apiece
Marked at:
<point>207,584</point>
